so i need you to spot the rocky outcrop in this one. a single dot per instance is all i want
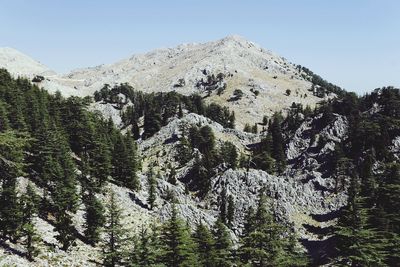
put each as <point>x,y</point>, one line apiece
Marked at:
<point>395,148</point>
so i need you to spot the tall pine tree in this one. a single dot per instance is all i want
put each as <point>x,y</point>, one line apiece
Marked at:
<point>178,244</point>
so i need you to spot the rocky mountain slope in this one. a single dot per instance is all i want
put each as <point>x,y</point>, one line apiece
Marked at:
<point>298,195</point>
<point>307,194</point>
<point>264,82</point>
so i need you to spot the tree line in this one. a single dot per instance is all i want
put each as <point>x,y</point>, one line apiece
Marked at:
<point>157,108</point>
<point>264,241</point>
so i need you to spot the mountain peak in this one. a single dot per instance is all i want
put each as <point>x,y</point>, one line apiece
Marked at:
<point>234,39</point>
<point>20,64</point>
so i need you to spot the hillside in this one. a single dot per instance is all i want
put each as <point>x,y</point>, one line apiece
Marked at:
<point>214,69</point>
<point>146,173</point>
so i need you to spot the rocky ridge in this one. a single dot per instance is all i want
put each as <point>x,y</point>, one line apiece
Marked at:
<point>267,82</point>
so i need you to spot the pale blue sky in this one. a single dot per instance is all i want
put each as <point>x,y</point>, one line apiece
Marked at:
<point>353,43</point>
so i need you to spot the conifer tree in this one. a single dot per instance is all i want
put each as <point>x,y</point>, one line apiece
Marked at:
<point>54,169</point>
<point>132,161</point>
<point>135,130</point>
<point>152,184</point>
<point>61,171</point>
<point>152,123</point>
<point>278,151</point>
<point>223,245</point>
<point>264,242</point>
<point>119,155</point>
<point>29,205</point>
<point>247,128</point>
<point>249,227</point>
<point>205,245</point>
<point>148,248</point>
<point>184,151</point>
<point>15,114</point>
<point>94,217</point>
<point>125,162</point>
<point>11,165</point>
<point>229,154</point>
<point>113,247</point>
<point>180,111</point>
<point>207,143</point>
<point>386,213</point>
<point>178,244</point>
<point>223,206</point>
<point>230,213</point>
<point>359,244</point>
<point>4,124</point>
<point>100,162</point>
<point>172,176</point>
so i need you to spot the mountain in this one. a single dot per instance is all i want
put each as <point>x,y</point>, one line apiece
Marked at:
<point>22,65</point>
<point>321,183</point>
<point>263,81</point>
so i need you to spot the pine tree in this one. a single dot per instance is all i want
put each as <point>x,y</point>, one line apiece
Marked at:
<point>29,205</point>
<point>247,128</point>
<point>178,244</point>
<point>223,245</point>
<point>386,213</point>
<point>229,154</point>
<point>114,241</point>
<point>245,242</point>
<point>152,123</point>
<point>94,217</point>
<point>11,165</point>
<point>16,114</point>
<point>147,250</point>
<point>205,245</point>
<point>135,130</point>
<point>278,151</point>
<point>222,206</point>
<point>230,211</point>
<point>264,242</point>
<point>4,124</point>
<point>254,129</point>
<point>125,162</point>
<point>180,111</point>
<point>152,185</point>
<point>184,151</point>
<point>359,244</point>
<point>207,140</point>
<point>100,162</point>
<point>132,161</point>
<point>172,176</point>
<point>119,155</point>
<point>61,171</point>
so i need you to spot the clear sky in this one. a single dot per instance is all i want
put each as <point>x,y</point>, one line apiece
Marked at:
<point>352,43</point>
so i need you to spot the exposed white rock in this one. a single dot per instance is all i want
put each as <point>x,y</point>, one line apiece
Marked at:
<point>395,148</point>
<point>21,65</point>
<point>262,76</point>
<point>301,142</point>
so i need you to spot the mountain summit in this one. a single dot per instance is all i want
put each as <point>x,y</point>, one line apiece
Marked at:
<point>232,72</point>
<point>20,64</point>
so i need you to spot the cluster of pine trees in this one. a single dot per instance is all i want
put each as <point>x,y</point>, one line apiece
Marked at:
<point>368,231</point>
<point>157,108</point>
<point>202,140</point>
<point>363,165</point>
<point>269,155</point>
<point>49,138</point>
<point>264,242</point>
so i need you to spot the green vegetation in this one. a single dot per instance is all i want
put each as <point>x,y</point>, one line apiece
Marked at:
<point>47,138</point>
<point>158,108</point>
<point>71,154</point>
